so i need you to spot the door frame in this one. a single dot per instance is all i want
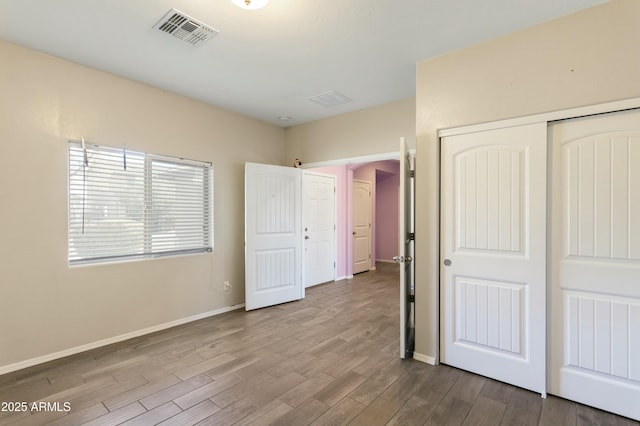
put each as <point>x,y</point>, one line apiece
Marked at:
<point>395,155</point>
<point>366,159</point>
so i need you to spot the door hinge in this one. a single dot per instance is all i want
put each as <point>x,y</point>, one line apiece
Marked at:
<point>412,236</point>
<point>411,298</point>
<point>412,173</point>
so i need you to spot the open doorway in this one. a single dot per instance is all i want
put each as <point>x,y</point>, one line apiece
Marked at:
<point>384,177</point>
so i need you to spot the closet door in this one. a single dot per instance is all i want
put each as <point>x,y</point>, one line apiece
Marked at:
<point>493,236</point>
<point>595,261</point>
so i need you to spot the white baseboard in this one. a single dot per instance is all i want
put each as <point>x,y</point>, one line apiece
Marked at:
<point>344,277</point>
<point>424,358</point>
<point>78,349</point>
<point>385,261</point>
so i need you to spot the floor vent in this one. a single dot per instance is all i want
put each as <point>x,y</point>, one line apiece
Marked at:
<point>185,28</point>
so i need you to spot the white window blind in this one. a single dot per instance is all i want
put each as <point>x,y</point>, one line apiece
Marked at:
<point>125,204</point>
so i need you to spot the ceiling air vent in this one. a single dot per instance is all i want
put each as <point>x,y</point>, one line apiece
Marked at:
<point>185,28</point>
<point>330,98</point>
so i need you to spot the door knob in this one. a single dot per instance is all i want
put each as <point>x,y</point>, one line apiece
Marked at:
<point>447,262</point>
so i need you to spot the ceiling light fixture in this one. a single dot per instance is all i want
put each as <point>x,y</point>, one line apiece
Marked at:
<point>250,4</point>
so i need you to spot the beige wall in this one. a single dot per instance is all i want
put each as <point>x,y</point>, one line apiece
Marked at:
<point>365,132</point>
<point>45,306</point>
<point>583,59</point>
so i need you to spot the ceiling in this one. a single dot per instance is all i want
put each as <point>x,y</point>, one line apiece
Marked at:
<point>267,63</point>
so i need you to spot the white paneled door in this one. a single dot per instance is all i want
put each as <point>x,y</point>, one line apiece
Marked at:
<point>361,226</point>
<point>493,254</point>
<point>319,221</point>
<point>273,235</point>
<point>406,253</point>
<point>595,262</point>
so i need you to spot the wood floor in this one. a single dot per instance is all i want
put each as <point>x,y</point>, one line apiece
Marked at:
<point>330,359</point>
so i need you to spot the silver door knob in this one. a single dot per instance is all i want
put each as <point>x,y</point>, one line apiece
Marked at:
<point>398,259</point>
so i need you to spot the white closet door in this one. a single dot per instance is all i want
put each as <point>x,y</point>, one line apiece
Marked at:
<point>595,262</point>
<point>493,265</point>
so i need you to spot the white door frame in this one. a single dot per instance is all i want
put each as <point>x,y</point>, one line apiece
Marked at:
<point>345,162</point>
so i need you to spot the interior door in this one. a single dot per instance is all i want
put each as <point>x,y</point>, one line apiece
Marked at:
<point>406,250</point>
<point>273,235</point>
<point>319,221</point>
<point>493,254</point>
<point>595,261</point>
<point>361,226</point>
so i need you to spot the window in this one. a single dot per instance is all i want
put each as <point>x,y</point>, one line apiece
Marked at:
<point>125,204</point>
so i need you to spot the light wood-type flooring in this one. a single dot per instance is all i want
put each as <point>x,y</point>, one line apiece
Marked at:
<point>329,359</point>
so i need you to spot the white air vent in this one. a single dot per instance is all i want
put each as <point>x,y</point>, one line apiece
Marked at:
<point>185,28</point>
<point>330,98</point>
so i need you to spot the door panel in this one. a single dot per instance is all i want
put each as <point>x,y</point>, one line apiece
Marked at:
<point>319,220</point>
<point>361,226</point>
<point>273,235</point>
<point>595,261</point>
<point>406,256</point>
<point>493,274</point>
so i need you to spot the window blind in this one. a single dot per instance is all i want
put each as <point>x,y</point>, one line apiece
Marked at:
<point>126,204</point>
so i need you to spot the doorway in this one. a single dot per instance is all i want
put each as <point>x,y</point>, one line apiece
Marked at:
<point>361,197</point>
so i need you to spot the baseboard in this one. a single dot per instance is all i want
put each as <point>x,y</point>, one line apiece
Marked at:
<point>424,358</point>
<point>344,277</point>
<point>385,261</point>
<point>78,349</point>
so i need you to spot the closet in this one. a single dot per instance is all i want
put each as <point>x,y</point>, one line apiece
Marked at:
<point>540,255</point>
